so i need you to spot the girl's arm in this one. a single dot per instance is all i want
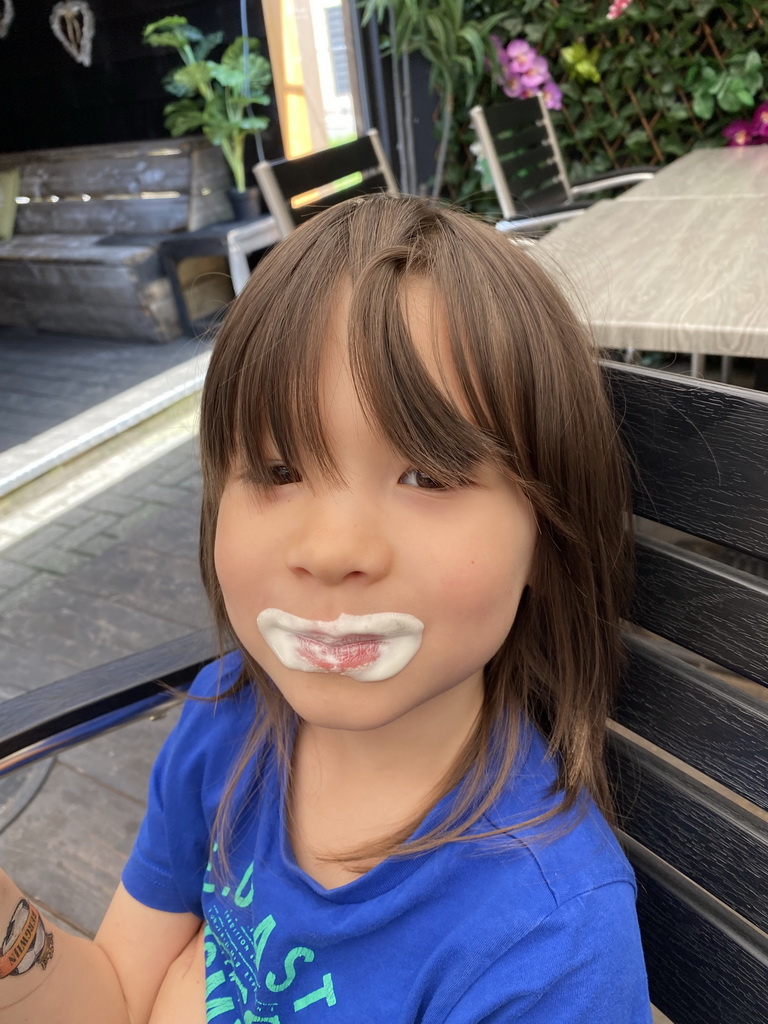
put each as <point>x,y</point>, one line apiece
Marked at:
<point>47,974</point>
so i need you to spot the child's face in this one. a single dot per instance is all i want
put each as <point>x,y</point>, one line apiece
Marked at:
<point>385,540</point>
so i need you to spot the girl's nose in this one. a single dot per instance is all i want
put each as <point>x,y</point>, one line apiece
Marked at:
<point>339,539</point>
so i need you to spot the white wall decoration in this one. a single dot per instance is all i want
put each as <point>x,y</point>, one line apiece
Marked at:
<point>6,17</point>
<point>73,23</point>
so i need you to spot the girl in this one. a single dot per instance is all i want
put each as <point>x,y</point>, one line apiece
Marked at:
<point>389,803</point>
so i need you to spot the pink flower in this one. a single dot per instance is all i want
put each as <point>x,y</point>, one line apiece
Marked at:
<point>512,87</point>
<point>738,133</point>
<point>617,7</point>
<point>759,125</point>
<point>536,74</point>
<point>552,96</point>
<point>525,73</point>
<point>520,56</point>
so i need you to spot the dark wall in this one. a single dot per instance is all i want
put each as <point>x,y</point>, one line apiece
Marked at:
<point>47,99</point>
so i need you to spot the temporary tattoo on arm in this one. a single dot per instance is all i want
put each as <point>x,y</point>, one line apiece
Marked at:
<point>26,942</point>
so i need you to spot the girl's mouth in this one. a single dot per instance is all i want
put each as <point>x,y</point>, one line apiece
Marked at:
<point>339,654</point>
<point>368,648</point>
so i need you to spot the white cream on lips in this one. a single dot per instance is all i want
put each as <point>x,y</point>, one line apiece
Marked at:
<point>367,648</point>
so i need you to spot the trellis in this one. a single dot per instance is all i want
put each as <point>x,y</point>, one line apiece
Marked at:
<point>641,110</point>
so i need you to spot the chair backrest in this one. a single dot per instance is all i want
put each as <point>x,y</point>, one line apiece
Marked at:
<point>690,744</point>
<point>297,189</point>
<point>519,145</point>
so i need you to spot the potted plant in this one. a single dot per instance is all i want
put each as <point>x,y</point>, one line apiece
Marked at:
<point>215,96</point>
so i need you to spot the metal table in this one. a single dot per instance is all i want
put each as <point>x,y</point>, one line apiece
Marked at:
<point>679,263</point>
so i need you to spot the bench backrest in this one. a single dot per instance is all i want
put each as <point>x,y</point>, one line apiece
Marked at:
<point>128,187</point>
<point>690,747</point>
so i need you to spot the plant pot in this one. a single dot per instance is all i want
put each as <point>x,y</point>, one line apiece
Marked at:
<point>245,205</point>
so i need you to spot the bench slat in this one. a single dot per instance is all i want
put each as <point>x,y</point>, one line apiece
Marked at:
<point>160,165</point>
<point>72,216</point>
<point>705,966</point>
<point>699,718</point>
<point>701,832</point>
<point>701,452</point>
<point>713,609</point>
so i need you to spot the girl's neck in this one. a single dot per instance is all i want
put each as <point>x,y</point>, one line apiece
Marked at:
<point>349,789</point>
<point>418,749</point>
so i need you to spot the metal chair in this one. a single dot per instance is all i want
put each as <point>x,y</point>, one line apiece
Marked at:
<point>297,189</point>
<point>518,141</point>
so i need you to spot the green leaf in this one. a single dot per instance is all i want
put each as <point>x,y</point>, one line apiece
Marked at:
<point>206,44</point>
<point>193,76</point>
<point>233,78</point>
<point>254,124</point>
<point>176,88</point>
<point>703,105</point>
<point>173,31</point>
<point>470,34</point>
<point>587,71</point>
<point>753,61</point>
<point>183,116</point>
<point>635,138</point>
<point>730,102</point>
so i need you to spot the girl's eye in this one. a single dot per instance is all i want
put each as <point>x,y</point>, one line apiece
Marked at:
<point>415,478</point>
<point>282,474</point>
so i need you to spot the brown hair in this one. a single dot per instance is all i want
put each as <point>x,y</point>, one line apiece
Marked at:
<point>528,375</point>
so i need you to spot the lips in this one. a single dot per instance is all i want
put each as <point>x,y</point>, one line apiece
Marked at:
<point>339,655</point>
<point>368,648</point>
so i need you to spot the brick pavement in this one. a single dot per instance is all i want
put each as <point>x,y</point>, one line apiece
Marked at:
<point>42,558</point>
<point>49,378</point>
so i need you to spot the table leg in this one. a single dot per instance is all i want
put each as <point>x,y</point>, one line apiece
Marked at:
<point>238,268</point>
<point>171,272</point>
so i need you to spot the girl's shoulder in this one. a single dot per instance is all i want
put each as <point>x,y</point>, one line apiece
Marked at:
<point>573,851</point>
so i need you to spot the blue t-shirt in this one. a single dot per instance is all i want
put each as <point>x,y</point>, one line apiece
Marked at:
<point>531,931</point>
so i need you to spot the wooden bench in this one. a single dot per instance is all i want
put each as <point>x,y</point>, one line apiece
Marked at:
<point>689,745</point>
<point>84,256</point>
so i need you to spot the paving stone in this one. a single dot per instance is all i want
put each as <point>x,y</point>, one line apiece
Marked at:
<point>97,545</point>
<point>21,596</point>
<point>128,524</point>
<point>24,669</point>
<point>155,583</point>
<point>76,516</point>
<point>84,630</point>
<point>42,538</point>
<point>175,529</point>
<point>164,495</point>
<point>12,574</point>
<point>124,757</point>
<point>48,406</point>
<point>102,522</point>
<point>182,474</point>
<point>54,560</point>
<point>113,503</point>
